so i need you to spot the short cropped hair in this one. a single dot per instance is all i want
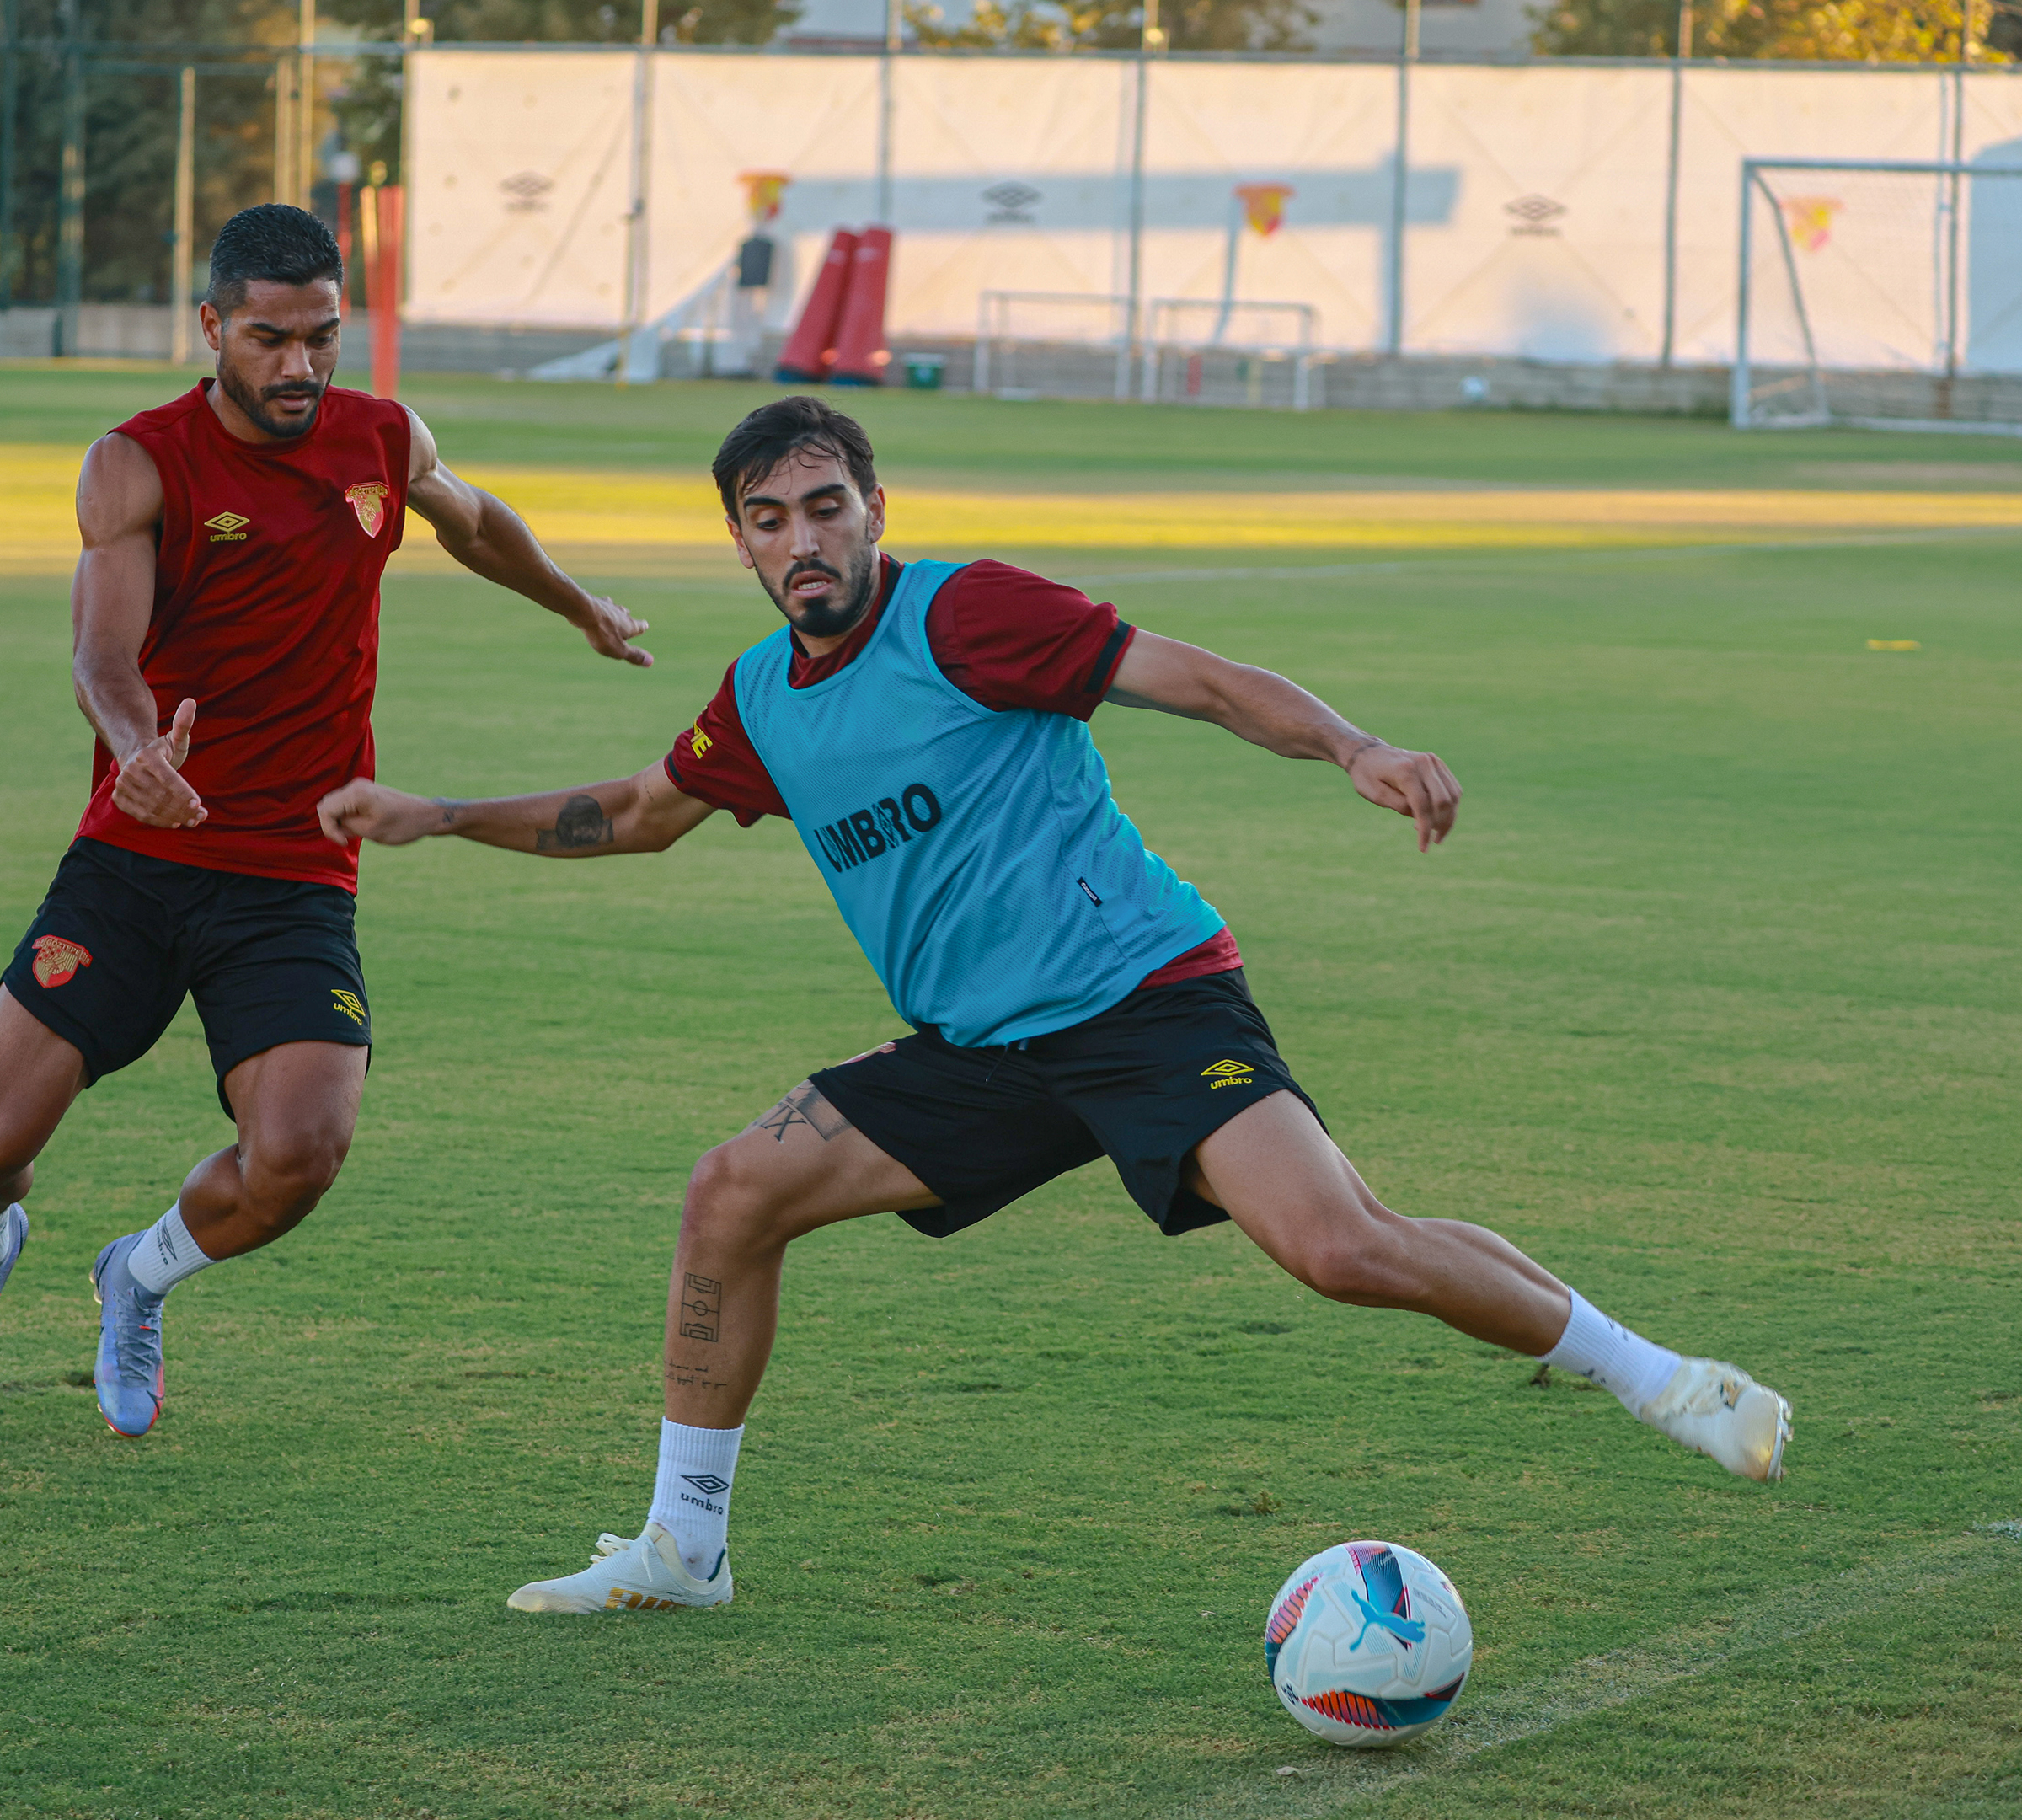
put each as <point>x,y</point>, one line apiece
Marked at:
<point>782,428</point>
<point>274,241</point>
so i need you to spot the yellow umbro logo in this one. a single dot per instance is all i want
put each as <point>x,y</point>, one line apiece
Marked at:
<point>349,1003</point>
<point>1230,1074</point>
<point>228,528</point>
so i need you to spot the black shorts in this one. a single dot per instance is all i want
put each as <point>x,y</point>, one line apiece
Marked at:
<point>1143,1083</point>
<point>122,937</point>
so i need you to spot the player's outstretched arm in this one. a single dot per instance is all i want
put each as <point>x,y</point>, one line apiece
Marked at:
<point>112,602</point>
<point>490,539</point>
<point>642,814</point>
<point>1263,708</point>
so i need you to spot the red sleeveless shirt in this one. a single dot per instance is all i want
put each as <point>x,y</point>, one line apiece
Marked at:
<point>266,612</point>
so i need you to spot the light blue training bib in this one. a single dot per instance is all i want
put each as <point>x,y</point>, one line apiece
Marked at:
<point>976,856</point>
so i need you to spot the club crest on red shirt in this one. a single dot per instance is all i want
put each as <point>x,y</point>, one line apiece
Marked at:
<point>58,959</point>
<point>368,500</point>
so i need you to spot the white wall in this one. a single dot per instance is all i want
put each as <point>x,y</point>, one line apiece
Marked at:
<point>1535,211</point>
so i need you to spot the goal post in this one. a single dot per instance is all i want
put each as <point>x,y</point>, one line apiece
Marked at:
<point>1878,295</point>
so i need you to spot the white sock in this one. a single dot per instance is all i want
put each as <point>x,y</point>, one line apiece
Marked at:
<point>166,1253</point>
<point>692,1492</point>
<point>1608,1354</point>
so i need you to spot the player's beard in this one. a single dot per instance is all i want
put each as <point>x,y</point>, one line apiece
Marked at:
<point>255,404</point>
<point>844,608</point>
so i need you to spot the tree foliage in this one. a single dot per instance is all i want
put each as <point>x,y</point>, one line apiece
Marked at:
<point>1117,25</point>
<point>130,119</point>
<point>1872,31</point>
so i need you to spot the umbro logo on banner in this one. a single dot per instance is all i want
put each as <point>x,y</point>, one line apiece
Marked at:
<point>1010,201</point>
<point>1535,214</point>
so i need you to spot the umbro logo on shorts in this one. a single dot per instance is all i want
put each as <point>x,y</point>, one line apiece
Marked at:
<point>349,1003</point>
<point>1230,1074</point>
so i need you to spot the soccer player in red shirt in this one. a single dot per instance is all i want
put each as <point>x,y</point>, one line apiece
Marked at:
<point>1070,997</point>
<point>226,636</point>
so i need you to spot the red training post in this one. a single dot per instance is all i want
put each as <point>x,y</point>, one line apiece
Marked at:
<point>811,348</point>
<point>344,247</point>
<point>385,291</point>
<point>861,355</point>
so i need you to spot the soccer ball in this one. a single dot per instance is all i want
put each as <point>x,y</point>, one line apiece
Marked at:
<point>1367,1643</point>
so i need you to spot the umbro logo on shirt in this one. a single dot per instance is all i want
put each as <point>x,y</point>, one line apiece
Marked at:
<point>864,834</point>
<point>228,528</point>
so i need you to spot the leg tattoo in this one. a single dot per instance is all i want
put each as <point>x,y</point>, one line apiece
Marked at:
<point>701,1307</point>
<point>804,1105</point>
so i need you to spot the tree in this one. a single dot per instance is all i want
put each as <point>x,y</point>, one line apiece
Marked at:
<point>751,22</point>
<point>1117,25</point>
<point>1871,31</point>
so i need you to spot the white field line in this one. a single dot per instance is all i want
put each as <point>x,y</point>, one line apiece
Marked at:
<point>1323,1780</point>
<point>1504,559</point>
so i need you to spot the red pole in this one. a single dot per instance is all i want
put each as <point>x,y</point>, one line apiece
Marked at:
<point>344,246</point>
<point>386,294</point>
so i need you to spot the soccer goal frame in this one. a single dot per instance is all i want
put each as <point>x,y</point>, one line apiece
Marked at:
<point>1961,401</point>
<point>998,339</point>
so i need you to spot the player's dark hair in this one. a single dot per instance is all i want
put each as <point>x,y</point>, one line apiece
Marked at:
<point>274,241</point>
<point>781,428</point>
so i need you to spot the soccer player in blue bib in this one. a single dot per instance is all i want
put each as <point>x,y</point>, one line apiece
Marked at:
<point>925,726</point>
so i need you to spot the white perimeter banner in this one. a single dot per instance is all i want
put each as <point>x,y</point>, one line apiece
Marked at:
<point>519,182</point>
<point>1534,213</point>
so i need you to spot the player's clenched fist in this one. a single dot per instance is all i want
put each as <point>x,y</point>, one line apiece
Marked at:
<point>150,787</point>
<point>363,811</point>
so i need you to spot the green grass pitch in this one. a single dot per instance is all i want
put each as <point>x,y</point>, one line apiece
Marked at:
<point>1711,1003</point>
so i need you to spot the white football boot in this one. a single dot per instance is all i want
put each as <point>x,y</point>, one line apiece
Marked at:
<point>1718,1409</point>
<point>641,1573</point>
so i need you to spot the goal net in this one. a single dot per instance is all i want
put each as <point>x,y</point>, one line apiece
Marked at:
<point>1883,295</point>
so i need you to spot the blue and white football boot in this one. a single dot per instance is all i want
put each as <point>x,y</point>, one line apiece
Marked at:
<point>129,1374</point>
<point>14,1232</point>
<point>630,1573</point>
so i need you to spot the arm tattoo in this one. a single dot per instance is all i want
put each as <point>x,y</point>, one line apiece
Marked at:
<point>581,823</point>
<point>449,807</point>
<point>701,1307</point>
<point>804,1105</point>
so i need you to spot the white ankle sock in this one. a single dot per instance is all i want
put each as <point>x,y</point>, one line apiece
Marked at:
<point>166,1253</point>
<point>1608,1354</point>
<point>692,1492</point>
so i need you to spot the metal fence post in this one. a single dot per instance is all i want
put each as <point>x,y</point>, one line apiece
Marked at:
<point>1133,328</point>
<point>70,199</point>
<point>636,247</point>
<point>1671,206</point>
<point>10,102</point>
<point>1737,409</point>
<point>185,211</point>
<point>1393,277</point>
